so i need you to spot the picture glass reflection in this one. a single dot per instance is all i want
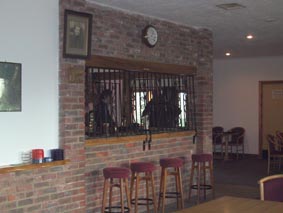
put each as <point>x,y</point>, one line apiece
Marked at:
<point>10,87</point>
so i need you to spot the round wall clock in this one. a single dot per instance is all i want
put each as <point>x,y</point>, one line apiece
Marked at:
<point>150,35</point>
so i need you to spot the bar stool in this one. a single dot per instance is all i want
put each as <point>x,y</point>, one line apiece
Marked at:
<point>199,162</point>
<point>175,164</point>
<point>122,174</point>
<point>146,169</point>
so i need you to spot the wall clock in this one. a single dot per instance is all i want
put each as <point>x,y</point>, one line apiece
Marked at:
<point>150,36</point>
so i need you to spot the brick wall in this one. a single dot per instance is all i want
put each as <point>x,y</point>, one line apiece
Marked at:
<point>54,189</point>
<point>76,187</point>
<point>123,154</point>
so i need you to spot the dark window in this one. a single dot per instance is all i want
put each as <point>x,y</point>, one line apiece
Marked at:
<point>120,103</point>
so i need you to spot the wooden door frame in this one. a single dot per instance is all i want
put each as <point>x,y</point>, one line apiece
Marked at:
<point>261,84</point>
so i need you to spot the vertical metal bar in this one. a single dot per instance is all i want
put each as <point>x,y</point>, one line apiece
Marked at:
<point>93,84</point>
<point>129,101</point>
<point>87,101</point>
<point>194,104</point>
<point>180,91</point>
<point>91,121</point>
<point>135,96</point>
<point>156,98</point>
<point>189,101</point>
<point>115,102</point>
<point>109,79</point>
<point>165,107</point>
<point>121,103</point>
<point>168,103</point>
<point>126,100</point>
<point>140,94</point>
<point>98,81</point>
<point>148,91</point>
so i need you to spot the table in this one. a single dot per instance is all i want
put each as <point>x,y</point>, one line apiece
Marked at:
<point>229,204</point>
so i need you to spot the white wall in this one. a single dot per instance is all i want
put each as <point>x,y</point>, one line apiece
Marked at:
<point>29,35</point>
<point>236,93</point>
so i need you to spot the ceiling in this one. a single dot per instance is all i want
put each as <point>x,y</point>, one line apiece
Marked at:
<point>261,18</point>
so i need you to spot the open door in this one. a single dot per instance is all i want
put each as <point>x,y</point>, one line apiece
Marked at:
<point>270,111</point>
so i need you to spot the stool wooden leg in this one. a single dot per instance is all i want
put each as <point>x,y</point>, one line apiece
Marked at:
<point>127,194</point>
<point>175,173</point>
<point>122,195</point>
<point>160,187</point>
<point>211,178</point>
<point>191,179</point>
<point>110,192</point>
<point>180,187</point>
<point>137,192</point>
<point>177,187</point>
<point>204,180</point>
<point>132,186</point>
<point>198,182</point>
<point>147,192</point>
<point>164,190</point>
<point>105,189</point>
<point>153,193</point>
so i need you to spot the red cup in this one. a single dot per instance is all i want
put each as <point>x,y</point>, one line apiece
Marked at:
<point>37,154</point>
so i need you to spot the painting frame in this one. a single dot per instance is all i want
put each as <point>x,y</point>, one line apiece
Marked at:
<point>10,87</point>
<point>77,34</point>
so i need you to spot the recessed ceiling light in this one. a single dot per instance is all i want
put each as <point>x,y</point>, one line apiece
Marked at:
<point>228,54</point>
<point>268,19</point>
<point>249,36</point>
<point>230,6</point>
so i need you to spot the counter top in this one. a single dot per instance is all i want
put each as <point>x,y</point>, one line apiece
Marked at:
<point>136,138</point>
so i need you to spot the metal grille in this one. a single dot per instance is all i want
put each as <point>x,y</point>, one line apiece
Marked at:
<point>120,102</point>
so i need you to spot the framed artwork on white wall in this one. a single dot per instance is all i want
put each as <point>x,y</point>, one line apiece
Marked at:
<point>10,87</point>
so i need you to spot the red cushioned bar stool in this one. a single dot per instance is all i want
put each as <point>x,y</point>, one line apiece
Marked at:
<point>201,163</point>
<point>142,171</point>
<point>171,166</point>
<point>120,175</point>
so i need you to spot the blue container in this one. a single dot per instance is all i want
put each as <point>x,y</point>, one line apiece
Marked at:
<point>57,154</point>
<point>37,161</point>
<point>47,159</point>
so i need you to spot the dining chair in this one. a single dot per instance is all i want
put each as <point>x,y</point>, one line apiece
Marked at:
<point>217,139</point>
<point>275,152</point>
<point>237,140</point>
<point>271,188</point>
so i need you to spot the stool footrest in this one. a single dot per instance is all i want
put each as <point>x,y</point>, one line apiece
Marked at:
<point>171,195</point>
<point>150,201</point>
<point>202,186</point>
<point>116,209</point>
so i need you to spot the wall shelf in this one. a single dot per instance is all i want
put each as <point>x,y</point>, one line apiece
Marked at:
<point>24,167</point>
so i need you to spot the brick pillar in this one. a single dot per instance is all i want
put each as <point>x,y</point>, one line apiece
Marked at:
<point>204,92</point>
<point>71,111</point>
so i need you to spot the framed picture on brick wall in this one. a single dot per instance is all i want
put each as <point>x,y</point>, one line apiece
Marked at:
<point>77,34</point>
<point>10,87</point>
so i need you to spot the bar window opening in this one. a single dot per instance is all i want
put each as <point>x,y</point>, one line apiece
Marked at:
<point>122,102</point>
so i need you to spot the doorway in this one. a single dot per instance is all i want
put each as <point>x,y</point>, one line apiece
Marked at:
<point>270,112</point>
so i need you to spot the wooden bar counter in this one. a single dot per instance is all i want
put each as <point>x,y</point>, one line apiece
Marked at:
<point>135,138</point>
